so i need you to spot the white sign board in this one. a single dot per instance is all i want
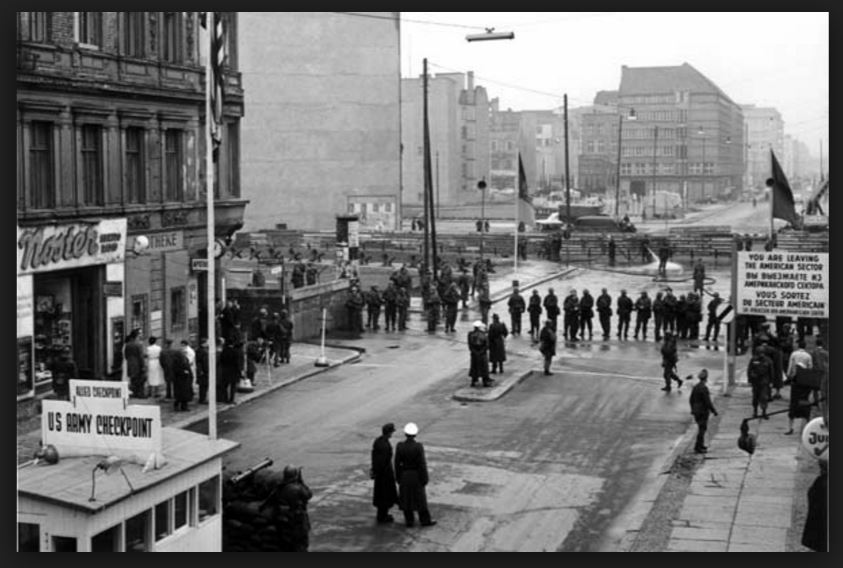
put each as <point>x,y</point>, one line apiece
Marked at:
<point>97,421</point>
<point>781,283</point>
<point>25,307</point>
<point>199,264</point>
<point>46,248</point>
<point>815,438</point>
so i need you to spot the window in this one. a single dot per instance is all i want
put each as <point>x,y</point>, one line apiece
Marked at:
<point>34,26</point>
<point>107,541</point>
<point>29,537</point>
<point>172,37</point>
<point>178,309</point>
<point>41,180</point>
<point>137,533</point>
<point>173,161</point>
<point>695,168</point>
<point>181,516</point>
<point>209,498</point>
<point>494,145</point>
<point>90,28</point>
<point>133,33</point>
<point>135,179</point>
<point>162,520</point>
<point>666,151</point>
<point>234,159</point>
<point>64,544</point>
<point>708,168</point>
<point>138,320</point>
<point>626,169</point>
<point>92,187</point>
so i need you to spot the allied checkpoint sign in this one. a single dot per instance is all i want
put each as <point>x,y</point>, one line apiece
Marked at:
<point>98,421</point>
<point>782,283</point>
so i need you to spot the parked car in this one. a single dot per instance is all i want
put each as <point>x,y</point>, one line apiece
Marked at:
<point>602,223</point>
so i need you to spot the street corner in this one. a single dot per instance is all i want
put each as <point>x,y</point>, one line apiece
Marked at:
<point>501,384</point>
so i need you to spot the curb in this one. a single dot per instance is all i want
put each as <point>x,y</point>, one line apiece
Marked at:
<point>492,394</point>
<point>187,422</point>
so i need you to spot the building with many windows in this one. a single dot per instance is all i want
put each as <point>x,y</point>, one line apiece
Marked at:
<point>110,147</point>
<point>764,132</point>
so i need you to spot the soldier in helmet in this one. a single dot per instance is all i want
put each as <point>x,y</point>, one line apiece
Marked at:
<point>571,307</point>
<point>289,503</point>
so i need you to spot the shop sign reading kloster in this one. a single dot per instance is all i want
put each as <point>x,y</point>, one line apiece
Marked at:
<point>55,247</point>
<point>97,420</point>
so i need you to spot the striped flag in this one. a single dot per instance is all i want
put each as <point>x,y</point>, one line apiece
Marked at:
<point>218,55</point>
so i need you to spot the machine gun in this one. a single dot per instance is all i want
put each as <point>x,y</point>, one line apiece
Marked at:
<point>242,475</point>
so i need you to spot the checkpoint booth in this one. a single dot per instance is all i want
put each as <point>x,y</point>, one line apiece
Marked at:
<point>122,482</point>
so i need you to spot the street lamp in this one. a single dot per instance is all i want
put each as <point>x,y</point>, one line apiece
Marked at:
<point>481,185</point>
<point>490,35</point>
<point>631,116</point>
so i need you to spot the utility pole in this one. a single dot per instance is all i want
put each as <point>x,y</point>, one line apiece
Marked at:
<point>428,179</point>
<point>618,172</point>
<point>822,176</point>
<point>567,187</point>
<point>655,142</point>
<point>426,259</point>
<point>438,199</point>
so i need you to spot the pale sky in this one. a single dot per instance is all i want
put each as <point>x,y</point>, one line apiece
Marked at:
<point>764,58</point>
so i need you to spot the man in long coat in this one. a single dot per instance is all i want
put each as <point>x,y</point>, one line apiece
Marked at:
<point>451,299</point>
<point>643,309</point>
<point>478,348</point>
<point>497,343</point>
<point>484,301</point>
<point>701,408</point>
<point>135,367</point>
<point>547,345</point>
<point>604,310</point>
<point>385,492</point>
<point>535,310</point>
<point>182,380</point>
<point>412,475</point>
<point>624,311</point>
<point>571,306</point>
<point>516,308</point>
<point>586,314</point>
<point>551,305</point>
<point>354,304</point>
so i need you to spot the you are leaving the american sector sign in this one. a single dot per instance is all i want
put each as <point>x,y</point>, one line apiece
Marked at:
<point>781,283</point>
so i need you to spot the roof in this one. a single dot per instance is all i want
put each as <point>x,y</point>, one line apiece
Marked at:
<point>651,80</point>
<point>68,482</point>
<point>606,98</point>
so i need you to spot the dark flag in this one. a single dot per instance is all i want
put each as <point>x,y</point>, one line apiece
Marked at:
<point>781,194</point>
<point>217,55</point>
<point>523,191</point>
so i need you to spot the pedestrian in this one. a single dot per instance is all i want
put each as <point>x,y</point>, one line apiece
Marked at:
<point>670,357</point>
<point>166,359</point>
<point>547,345</point>
<point>815,531</point>
<point>354,306</point>
<point>229,372</point>
<point>759,374</point>
<point>484,301</point>
<point>289,505</point>
<point>154,371</point>
<point>202,373</point>
<point>286,336</point>
<point>699,276</point>
<point>190,353</point>
<point>701,407</point>
<point>257,327</point>
<point>486,225</point>
<point>712,329</point>
<point>479,225</point>
<point>311,273</point>
<point>604,311</point>
<point>769,346</point>
<point>385,491</point>
<point>182,380</point>
<point>571,307</point>
<point>694,315</point>
<point>747,242</point>
<point>64,370</point>
<point>819,361</point>
<point>682,317</point>
<point>645,249</point>
<point>516,308</point>
<point>800,391</point>
<point>586,314</point>
<point>433,302</point>
<point>390,299</point>
<point>254,351</point>
<point>451,299</point>
<point>643,310</point>
<point>497,344</point>
<point>297,278</point>
<point>411,473</point>
<point>669,310</point>
<point>403,304</point>
<point>551,306</point>
<point>374,301</point>
<point>658,315</point>
<point>478,349</point>
<point>133,352</point>
<point>535,310</point>
<point>664,255</point>
<point>464,284</point>
<point>624,306</point>
<point>612,247</point>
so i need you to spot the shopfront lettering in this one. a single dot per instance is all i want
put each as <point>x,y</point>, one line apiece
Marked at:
<point>68,244</point>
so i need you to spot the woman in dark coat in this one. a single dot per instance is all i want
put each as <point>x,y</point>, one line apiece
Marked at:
<point>229,372</point>
<point>386,493</point>
<point>411,472</point>
<point>182,380</point>
<point>497,343</point>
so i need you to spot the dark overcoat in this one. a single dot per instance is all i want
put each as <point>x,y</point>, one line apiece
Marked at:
<point>182,377</point>
<point>497,342</point>
<point>386,492</point>
<point>547,342</point>
<point>478,347</point>
<point>411,472</point>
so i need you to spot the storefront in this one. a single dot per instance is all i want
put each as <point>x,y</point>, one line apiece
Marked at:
<point>70,300</point>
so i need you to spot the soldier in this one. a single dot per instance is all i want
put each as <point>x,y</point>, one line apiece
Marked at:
<point>604,310</point>
<point>645,249</point>
<point>551,306</point>
<point>701,407</point>
<point>682,317</point>
<point>586,314</point>
<point>289,503</point>
<point>478,348</point>
<point>516,308</point>
<point>285,338</point>
<point>643,309</point>
<point>712,330</point>
<point>354,305</point>
<point>535,309</point>
<point>451,300</point>
<point>311,273</point>
<point>612,249</point>
<point>433,302</point>
<point>699,276</point>
<point>669,310</point>
<point>664,255</point>
<point>658,314</point>
<point>374,301</point>
<point>694,315</point>
<point>426,286</point>
<point>547,345</point>
<point>411,473</point>
<point>497,343</point>
<point>570,323</point>
<point>478,266</point>
<point>464,284</point>
<point>390,299</point>
<point>402,278</point>
<point>624,313</point>
<point>485,303</point>
<point>403,305</point>
<point>759,374</point>
<point>299,272</point>
<point>670,357</point>
<point>202,372</point>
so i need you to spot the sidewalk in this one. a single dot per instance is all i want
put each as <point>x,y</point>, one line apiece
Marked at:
<point>739,502</point>
<point>302,357</point>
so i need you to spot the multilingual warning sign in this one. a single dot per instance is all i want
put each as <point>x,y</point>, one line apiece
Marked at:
<point>781,283</point>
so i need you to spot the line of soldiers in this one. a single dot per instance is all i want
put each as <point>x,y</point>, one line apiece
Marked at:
<point>395,301</point>
<point>446,293</point>
<point>681,315</point>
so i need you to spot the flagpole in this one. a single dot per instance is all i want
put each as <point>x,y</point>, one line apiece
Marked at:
<point>211,274</point>
<point>772,196</point>
<point>517,197</point>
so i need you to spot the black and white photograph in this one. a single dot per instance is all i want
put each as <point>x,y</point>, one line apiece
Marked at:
<point>422,281</point>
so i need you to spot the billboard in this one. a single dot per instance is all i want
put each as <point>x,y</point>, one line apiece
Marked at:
<point>781,283</point>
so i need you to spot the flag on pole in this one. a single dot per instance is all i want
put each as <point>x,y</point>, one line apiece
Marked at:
<point>217,56</point>
<point>523,190</point>
<point>781,194</point>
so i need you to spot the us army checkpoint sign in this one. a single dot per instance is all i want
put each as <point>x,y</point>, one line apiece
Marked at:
<point>782,283</point>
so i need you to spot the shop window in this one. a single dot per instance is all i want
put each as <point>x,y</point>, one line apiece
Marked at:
<point>89,28</point>
<point>29,537</point>
<point>135,179</point>
<point>172,37</point>
<point>180,506</point>
<point>106,541</point>
<point>173,161</point>
<point>137,533</point>
<point>41,179</point>
<point>162,520</point>
<point>92,183</point>
<point>178,309</point>
<point>133,33</point>
<point>64,544</point>
<point>209,498</point>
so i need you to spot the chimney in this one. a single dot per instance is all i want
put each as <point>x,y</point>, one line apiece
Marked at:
<point>471,80</point>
